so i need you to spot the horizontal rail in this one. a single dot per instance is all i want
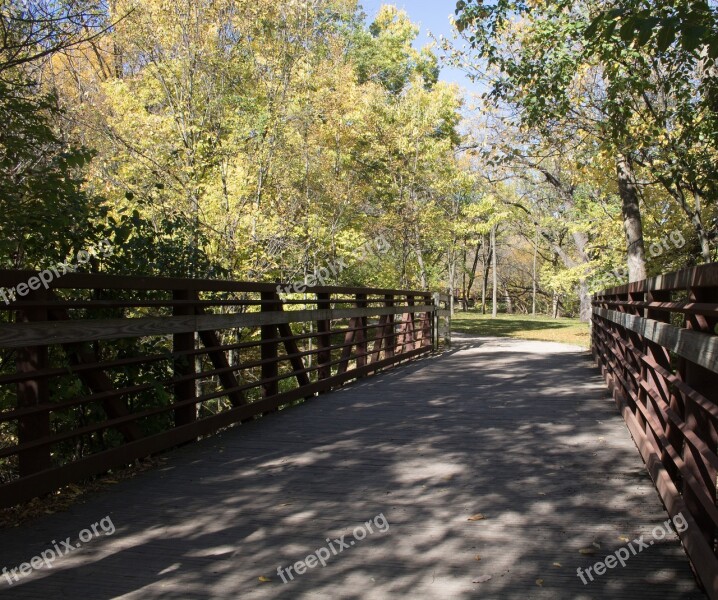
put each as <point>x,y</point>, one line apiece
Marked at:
<point>79,281</point>
<point>705,276</point>
<point>656,342</point>
<point>692,308</point>
<point>100,370</point>
<point>700,348</point>
<point>70,332</point>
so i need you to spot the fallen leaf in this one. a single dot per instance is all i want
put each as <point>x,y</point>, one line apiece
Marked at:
<point>476,517</point>
<point>587,551</point>
<point>478,557</point>
<point>482,579</point>
<point>557,565</point>
<point>539,582</point>
<point>264,579</point>
<point>623,538</point>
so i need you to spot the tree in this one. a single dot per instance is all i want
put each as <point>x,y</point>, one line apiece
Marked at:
<point>690,23</point>
<point>648,108</point>
<point>35,30</point>
<point>384,53</point>
<point>41,180</point>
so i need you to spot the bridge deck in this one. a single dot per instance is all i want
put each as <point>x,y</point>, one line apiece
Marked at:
<point>522,432</point>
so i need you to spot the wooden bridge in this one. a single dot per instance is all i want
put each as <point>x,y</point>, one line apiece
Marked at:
<point>491,468</point>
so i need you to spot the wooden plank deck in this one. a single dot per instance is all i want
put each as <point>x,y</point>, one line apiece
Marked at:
<point>522,432</point>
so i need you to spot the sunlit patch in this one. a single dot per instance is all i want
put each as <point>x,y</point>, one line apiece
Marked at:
<point>662,576</point>
<point>170,569</point>
<point>216,551</point>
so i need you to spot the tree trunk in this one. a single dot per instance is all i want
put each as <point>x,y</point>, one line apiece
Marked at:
<point>533,300</point>
<point>485,279</point>
<point>632,224</point>
<point>584,295</point>
<point>494,307</point>
<point>117,50</point>
<point>420,259</point>
<point>464,299</point>
<point>472,274</point>
<point>675,189</point>
<point>697,220</point>
<point>452,276</point>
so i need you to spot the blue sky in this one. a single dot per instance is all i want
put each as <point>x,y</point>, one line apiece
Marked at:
<point>431,15</point>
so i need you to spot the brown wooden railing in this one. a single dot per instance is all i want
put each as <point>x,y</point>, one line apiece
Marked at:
<point>656,342</point>
<point>100,370</point>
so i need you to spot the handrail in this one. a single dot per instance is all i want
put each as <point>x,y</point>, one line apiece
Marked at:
<point>102,370</point>
<point>657,345</point>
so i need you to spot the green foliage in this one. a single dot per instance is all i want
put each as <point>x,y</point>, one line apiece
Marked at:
<point>384,53</point>
<point>656,26</point>
<point>167,247</point>
<point>41,179</point>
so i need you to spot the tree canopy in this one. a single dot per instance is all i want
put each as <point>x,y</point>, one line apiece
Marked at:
<point>262,140</point>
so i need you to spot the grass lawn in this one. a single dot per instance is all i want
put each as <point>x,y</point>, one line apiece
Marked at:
<point>524,327</point>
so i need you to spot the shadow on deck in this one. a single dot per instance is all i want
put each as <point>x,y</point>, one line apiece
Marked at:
<point>522,432</point>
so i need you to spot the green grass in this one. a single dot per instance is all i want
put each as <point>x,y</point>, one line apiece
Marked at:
<point>523,327</point>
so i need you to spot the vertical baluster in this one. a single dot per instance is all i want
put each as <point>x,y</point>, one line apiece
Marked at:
<point>269,352</point>
<point>184,364</point>
<point>410,324</point>
<point>324,338</point>
<point>426,324</point>
<point>361,334</point>
<point>32,393</point>
<point>390,329</point>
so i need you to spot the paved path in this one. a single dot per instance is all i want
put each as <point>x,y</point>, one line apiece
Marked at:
<point>522,432</point>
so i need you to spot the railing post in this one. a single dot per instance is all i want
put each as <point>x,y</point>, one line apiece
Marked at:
<point>184,363</point>
<point>426,339</point>
<point>361,334</point>
<point>32,393</point>
<point>390,330</point>
<point>410,324</point>
<point>324,339</point>
<point>269,351</point>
